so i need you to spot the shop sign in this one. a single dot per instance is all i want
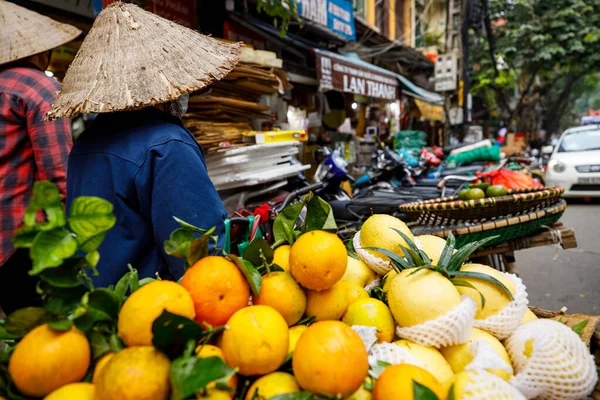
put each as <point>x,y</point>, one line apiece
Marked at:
<point>79,7</point>
<point>181,11</point>
<point>341,74</point>
<point>430,111</point>
<point>337,15</point>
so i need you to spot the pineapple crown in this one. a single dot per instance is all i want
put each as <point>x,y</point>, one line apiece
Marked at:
<point>448,265</point>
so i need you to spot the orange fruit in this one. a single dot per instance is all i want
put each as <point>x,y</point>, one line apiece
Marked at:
<point>101,364</point>
<point>330,358</point>
<point>329,304</point>
<point>372,312</point>
<point>281,257</point>
<point>208,350</point>
<point>280,291</point>
<point>145,305</point>
<point>135,373</point>
<point>72,391</point>
<point>318,260</point>
<point>45,360</point>
<point>396,382</point>
<point>218,289</point>
<point>295,333</point>
<point>271,385</point>
<point>256,341</point>
<point>354,291</point>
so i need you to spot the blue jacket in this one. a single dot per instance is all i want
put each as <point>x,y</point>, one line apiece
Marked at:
<point>148,165</point>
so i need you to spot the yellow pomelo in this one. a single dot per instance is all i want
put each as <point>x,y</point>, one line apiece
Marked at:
<point>431,360</point>
<point>101,364</point>
<point>271,385</point>
<point>432,246</point>
<point>145,305</point>
<point>360,394</point>
<point>358,272</point>
<point>281,257</point>
<point>256,341</point>
<point>378,231</point>
<point>460,356</point>
<point>528,317</point>
<point>214,394</point>
<point>396,383</point>
<point>421,297</point>
<point>478,384</point>
<point>327,304</point>
<point>388,280</point>
<point>495,298</point>
<point>295,333</point>
<point>372,312</point>
<point>354,291</point>
<point>73,391</point>
<point>135,373</point>
<point>280,291</point>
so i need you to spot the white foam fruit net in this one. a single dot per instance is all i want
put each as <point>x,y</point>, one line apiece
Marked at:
<point>368,335</point>
<point>450,329</point>
<point>379,265</point>
<point>483,385</point>
<point>390,353</point>
<point>559,365</point>
<point>486,358</point>
<point>502,324</point>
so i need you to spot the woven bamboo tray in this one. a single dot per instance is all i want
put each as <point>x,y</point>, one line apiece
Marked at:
<point>590,333</point>
<point>505,229</point>
<point>452,211</point>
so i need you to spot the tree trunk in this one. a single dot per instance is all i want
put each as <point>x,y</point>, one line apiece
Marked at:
<point>555,109</point>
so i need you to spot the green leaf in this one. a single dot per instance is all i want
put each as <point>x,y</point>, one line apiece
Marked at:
<point>462,254</point>
<point>47,197</point>
<point>276,268</point>
<point>250,273</point>
<point>378,369</point>
<point>256,250</point>
<point>63,301</point>
<point>421,392</point>
<point>578,328</point>
<point>307,321</point>
<point>418,256</point>
<point>99,344</point>
<point>189,374</point>
<point>179,243</point>
<point>284,223</point>
<point>447,252</point>
<point>189,226</point>
<point>90,218</point>
<point>171,332</point>
<point>92,258</point>
<point>22,321</point>
<point>398,262</point>
<point>50,248</point>
<point>120,290</point>
<point>451,393</point>
<point>66,276</point>
<point>350,248</point>
<point>5,336</point>
<point>479,275</point>
<point>104,300</point>
<point>319,216</point>
<point>199,247</point>
<point>61,326</point>
<point>24,237</point>
<point>463,283</point>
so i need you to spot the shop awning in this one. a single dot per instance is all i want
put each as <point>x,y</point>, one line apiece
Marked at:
<point>348,73</point>
<point>412,90</point>
<point>434,112</point>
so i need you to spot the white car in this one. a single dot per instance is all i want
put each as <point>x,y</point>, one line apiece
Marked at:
<point>575,162</point>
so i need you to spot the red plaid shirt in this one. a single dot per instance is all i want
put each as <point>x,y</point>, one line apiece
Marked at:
<point>30,149</point>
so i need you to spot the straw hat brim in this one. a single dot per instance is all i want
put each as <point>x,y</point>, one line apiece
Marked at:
<point>133,59</point>
<point>24,33</point>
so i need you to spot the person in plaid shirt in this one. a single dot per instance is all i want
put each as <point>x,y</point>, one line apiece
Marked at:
<point>30,148</point>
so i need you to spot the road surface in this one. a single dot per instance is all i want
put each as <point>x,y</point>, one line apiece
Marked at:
<point>573,279</point>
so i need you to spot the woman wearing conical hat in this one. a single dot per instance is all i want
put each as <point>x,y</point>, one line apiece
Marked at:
<point>135,69</point>
<point>30,148</point>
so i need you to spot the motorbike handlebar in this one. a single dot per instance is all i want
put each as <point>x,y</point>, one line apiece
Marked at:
<point>297,193</point>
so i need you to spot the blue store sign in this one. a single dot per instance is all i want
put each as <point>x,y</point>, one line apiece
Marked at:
<point>337,15</point>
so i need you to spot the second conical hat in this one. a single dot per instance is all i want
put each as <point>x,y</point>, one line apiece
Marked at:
<point>133,59</point>
<point>24,33</point>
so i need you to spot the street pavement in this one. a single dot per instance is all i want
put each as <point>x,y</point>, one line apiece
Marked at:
<point>573,279</point>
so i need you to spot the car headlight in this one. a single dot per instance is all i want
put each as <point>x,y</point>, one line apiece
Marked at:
<point>556,165</point>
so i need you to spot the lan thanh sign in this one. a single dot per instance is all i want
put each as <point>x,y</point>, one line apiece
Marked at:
<point>343,74</point>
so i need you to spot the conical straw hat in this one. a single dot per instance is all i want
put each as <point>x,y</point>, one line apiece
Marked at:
<point>24,33</point>
<point>132,59</point>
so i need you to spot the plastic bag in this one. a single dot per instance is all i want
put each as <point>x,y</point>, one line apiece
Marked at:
<point>509,179</point>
